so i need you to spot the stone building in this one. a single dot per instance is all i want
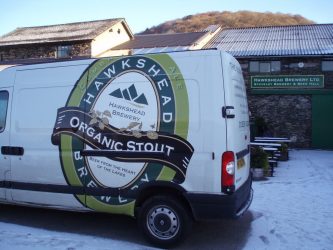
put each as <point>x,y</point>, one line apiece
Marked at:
<point>73,40</point>
<point>288,71</point>
<point>92,39</point>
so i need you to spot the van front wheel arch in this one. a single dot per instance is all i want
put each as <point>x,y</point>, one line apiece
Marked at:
<point>164,220</point>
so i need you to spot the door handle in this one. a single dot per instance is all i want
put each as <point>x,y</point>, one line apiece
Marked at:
<point>8,150</point>
<point>227,112</point>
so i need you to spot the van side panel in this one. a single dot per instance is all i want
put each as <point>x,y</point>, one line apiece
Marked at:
<point>38,93</point>
<point>103,135</point>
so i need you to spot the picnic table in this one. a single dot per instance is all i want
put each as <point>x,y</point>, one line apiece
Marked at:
<point>272,149</point>
<point>272,139</point>
<point>263,144</point>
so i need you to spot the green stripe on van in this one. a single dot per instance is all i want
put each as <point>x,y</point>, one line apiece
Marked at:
<point>181,103</point>
<point>180,92</point>
<point>166,174</point>
<point>127,209</point>
<point>67,158</point>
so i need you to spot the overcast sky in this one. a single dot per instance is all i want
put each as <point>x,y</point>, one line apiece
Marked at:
<point>141,14</point>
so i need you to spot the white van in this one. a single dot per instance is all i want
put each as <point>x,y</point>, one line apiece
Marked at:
<point>160,137</point>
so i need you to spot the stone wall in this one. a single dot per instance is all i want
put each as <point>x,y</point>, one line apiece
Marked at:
<point>38,51</point>
<point>81,49</point>
<point>287,115</point>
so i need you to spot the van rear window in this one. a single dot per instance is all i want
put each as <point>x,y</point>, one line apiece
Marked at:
<point>3,109</point>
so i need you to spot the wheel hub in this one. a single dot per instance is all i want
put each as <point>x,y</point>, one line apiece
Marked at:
<point>163,222</point>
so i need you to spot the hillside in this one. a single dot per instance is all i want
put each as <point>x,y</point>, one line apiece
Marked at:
<point>227,20</point>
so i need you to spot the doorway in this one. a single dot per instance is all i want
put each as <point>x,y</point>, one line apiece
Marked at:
<point>322,121</point>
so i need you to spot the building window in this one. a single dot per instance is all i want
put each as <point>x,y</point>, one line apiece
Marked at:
<point>3,109</point>
<point>275,66</point>
<point>63,51</point>
<point>265,66</point>
<point>327,66</point>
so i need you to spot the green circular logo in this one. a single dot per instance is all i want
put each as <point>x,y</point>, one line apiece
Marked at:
<point>125,124</point>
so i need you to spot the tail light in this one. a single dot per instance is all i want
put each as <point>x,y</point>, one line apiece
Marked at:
<point>228,172</point>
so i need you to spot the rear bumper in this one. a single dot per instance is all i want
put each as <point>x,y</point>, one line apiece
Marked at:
<point>217,206</point>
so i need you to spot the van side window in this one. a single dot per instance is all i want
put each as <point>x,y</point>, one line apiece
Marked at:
<point>3,109</point>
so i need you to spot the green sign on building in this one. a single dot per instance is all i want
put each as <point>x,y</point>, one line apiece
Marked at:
<point>288,81</point>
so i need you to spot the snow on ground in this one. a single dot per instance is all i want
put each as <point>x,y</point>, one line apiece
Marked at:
<point>16,237</point>
<point>293,210</point>
<point>296,206</point>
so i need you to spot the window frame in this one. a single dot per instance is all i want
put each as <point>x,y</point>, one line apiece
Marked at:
<point>63,51</point>
<point>322,65</point>
<point>256,66</point>
<point>2,129</point>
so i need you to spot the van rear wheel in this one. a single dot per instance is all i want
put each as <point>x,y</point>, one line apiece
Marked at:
<point>164,220</point>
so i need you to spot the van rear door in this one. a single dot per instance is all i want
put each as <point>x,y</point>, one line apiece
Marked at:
<point>236,114</point>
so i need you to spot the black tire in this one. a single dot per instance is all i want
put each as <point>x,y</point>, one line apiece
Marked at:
<point>164,220</point>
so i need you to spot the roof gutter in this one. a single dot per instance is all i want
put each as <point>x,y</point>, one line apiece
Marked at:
<point>127,28</point>
<point>284,56</point>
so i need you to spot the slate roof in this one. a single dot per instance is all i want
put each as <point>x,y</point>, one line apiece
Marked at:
<point>58,33</point>
<point>161,40</point>
<point>298,40</point>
